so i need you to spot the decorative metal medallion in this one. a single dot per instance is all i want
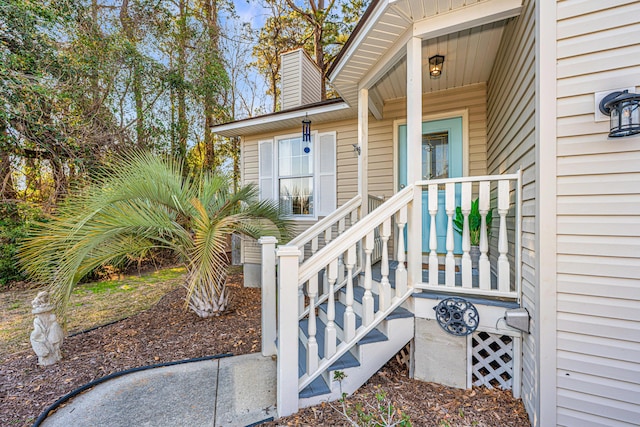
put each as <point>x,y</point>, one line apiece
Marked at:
<point>457,316</point>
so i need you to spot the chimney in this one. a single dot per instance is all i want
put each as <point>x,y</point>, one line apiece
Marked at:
<point>300,82</point>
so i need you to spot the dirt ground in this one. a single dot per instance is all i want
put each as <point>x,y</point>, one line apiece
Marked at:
<point>166,332</point>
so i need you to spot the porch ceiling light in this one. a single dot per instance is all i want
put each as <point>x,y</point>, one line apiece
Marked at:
<point>435,66</point>
<point>624,109</point>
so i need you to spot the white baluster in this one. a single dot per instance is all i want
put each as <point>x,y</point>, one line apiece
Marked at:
<point>327,236</point>
<point>349,315</point>
<point>327,240</point>
<point>503,244</point>
<point>401,271</point>
<point>384,293</point>
<point>312,343</point>
<point>354,216</point>
<point>367,299</point>
<point>450,209</point>
<point>300,297</point>
<point>483,264</point>
<point>330,331</point>
<point>341,228</point>
<point>465,207</point>
<point>433,236</point>
<point>314,245</point>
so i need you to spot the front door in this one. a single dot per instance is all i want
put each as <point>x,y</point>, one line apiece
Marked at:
<point>441,154</point>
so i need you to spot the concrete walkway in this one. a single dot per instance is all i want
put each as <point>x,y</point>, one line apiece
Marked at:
<point>232,391</point>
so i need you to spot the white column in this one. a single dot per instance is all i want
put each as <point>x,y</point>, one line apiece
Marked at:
<point>287,367</point>
<point>363,143</point>
<point>268,295</point>
<point>414,157</point>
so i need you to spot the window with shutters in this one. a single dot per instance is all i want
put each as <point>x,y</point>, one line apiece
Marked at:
<point>299,175</point>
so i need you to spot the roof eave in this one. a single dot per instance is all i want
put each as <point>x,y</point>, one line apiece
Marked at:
<point>280,119</point>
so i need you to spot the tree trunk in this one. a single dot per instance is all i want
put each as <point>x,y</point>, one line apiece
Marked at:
<point>136,83</point>
<point>211,58</point>
<point>181,93</point>
<point>7,187</point>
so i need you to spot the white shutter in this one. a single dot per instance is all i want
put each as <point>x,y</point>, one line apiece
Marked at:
<point>266,171</point>
<point>326,176</point>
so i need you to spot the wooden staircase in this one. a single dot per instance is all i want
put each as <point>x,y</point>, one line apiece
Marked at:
<point>339,312</point>
<point>361,361</point>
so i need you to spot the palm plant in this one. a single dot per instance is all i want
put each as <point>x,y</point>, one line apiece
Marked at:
<point>145,203</point>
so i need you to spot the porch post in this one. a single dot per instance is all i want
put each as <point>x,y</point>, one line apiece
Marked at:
<point>414,157</point>
<point>287,366</point>
<point>363,143</point>
<point>268,286</point>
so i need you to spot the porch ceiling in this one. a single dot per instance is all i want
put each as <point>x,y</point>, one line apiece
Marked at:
<point>466,32</point>
<point>469,57</point>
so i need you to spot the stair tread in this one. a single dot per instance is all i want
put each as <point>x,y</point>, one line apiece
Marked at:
<point>373,336</point>
<point>347,360</point>
<point>316,388</point>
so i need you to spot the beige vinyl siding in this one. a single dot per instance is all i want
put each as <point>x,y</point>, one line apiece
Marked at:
<point>598,224</point>
<point>311,77</point>
<point>511,146</point>
<point>291,88</point>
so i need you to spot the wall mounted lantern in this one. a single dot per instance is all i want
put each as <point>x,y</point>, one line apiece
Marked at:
<point>306,133</point>
<point>624,109</point>
<point>435,66</point>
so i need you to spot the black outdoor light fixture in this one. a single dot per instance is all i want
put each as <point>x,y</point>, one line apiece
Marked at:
<point>624,109</point>
<point>435,66</point>
<point>306,133</point>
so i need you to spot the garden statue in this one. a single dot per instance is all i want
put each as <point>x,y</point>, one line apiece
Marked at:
<point>46,337</point>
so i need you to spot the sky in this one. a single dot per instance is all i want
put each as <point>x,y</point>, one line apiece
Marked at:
<point>251,12</point>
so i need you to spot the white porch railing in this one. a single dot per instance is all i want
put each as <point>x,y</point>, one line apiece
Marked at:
<point>502,195</point>
<point>294,276</point>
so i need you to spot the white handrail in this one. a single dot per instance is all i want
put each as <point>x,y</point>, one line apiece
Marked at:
<point>326,222</point>
<point>354,234</point>
<point>513,176</point>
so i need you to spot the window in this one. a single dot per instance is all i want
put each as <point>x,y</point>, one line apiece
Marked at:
<point>295,176</point>
<point>299,175</point>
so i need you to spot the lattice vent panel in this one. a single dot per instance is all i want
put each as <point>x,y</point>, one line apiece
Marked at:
<point>492,361</point>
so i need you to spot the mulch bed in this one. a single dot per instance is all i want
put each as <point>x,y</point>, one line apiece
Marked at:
<point>167,333</point>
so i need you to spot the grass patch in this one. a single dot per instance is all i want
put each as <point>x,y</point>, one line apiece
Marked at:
<point>91,304</point>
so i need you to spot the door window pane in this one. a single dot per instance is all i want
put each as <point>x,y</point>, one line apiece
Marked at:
<point>435,155</point>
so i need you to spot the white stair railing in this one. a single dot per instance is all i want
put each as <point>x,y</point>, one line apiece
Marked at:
<point>310,238</point>
<point>294,276</point>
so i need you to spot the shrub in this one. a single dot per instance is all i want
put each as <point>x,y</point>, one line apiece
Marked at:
<point>15,219</point>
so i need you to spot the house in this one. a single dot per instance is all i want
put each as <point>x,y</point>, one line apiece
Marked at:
<point>443,103</point>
